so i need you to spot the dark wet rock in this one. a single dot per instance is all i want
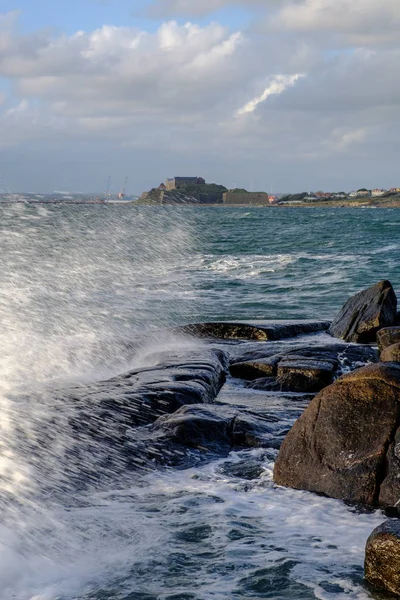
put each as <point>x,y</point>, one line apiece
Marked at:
<point>346,356</point>
<point>196,426</point>
<point>103,425</point>
<point>266,384</point>
<point>304,369</point>
<point>382,557</point>
<point>244,469</point>
<point>338,446</point>
<point>391,353</point>
<point>266,367</point>
<point>365,313</point>
<point>253,330</point>
<point>297,373</point>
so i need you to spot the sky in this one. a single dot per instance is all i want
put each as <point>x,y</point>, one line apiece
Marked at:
<point>269,95</point>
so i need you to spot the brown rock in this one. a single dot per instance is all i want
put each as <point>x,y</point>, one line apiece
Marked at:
<point>382,557</point>
<point>365,313</point>
<point>302,374</point>
<point>338,446</point>
<point>388,336</point>
<point>255,369</point>
<point>391,353</point>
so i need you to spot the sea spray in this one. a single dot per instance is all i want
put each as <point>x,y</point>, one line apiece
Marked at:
<point>82,294</point>
<point>80,286</point>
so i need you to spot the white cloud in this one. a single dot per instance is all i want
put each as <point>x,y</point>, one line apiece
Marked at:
<point>277,85</point>
<point>362,21</point>
<point>209,93</point>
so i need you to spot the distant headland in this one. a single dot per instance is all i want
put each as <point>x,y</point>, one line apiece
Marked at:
<point>195,190</point>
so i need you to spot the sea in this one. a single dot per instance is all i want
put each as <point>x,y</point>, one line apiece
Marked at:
<point>89,292</point>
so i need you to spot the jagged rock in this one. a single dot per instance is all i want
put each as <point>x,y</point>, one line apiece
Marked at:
<point>365,313</point>
<point>253,330</point>
<point>382,557</point>
<point>338,446</point>
<point>391,353</point>
<point>387,336</point>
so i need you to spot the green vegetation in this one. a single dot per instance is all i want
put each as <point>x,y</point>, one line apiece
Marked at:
<point>209,193</point>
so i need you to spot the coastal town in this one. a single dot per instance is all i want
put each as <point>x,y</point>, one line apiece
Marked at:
<point>196,191</point>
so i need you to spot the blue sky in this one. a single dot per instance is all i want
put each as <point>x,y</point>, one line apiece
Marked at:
<point>74,15</point>
<point>251,92</point>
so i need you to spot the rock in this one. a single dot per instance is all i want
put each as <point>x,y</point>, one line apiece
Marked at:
<point>390,486</point>
<point>338,446</point>
<point>252,330</point>
<point>365,313</point>
<point>387,336</point>
<point>198,427</point>
<point>391,353</point>
<point>266,367</point>
<point>265,384</point>
<point>382,557</point>
<point>298,373</point>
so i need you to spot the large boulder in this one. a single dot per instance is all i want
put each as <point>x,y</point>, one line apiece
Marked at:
<point>339,446</point>
<point>365,313</point>
<point>382,557</point>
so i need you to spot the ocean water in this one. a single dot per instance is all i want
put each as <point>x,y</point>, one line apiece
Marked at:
<point>88,293</point>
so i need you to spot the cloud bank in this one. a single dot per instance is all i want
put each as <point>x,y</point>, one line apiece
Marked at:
<point>312,95</point>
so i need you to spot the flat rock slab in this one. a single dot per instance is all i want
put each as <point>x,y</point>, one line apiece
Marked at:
<point>349,356</point>
<point>382,557</point>
<point>101,424</point>
<point>342,444</point>
<point>365,313</point>
<point>253,330</point>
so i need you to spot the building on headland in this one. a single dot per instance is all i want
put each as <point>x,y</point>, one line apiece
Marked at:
<point>396,190</point>
<point>378,192</point>
<point>177,182</point>
<point>242,197</point>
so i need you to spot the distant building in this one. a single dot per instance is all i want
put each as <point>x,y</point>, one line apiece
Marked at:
<point>245,198</point>
<point>353,194</point>
<point>378,192</point>
<point>396,190</point>
<point>177,182</point>
<point>363,192</point>
<point>162,186</point>
<point>272,199</point>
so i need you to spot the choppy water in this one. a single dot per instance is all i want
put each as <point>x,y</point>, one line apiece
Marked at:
<point>84,294</point>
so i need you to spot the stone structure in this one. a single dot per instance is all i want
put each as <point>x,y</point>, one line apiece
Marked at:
<point>244,198</point>
<point>177,182</point>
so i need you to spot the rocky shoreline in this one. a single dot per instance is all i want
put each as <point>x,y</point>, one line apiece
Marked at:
<point>186,406</point>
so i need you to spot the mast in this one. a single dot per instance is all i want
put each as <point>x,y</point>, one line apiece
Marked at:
<point>108,190</point>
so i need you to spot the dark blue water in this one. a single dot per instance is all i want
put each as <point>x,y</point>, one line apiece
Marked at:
<point>79,287</point>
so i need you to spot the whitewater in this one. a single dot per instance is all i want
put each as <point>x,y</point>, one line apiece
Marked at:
<point>91,292</point>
